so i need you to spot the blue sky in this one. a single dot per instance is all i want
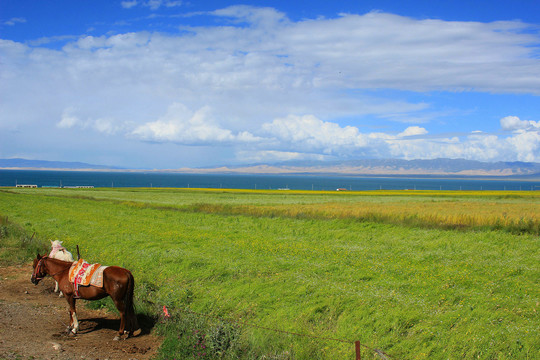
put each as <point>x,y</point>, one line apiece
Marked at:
<point>170,84</point>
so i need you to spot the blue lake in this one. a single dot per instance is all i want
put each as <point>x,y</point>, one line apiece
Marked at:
<point>294,182</point>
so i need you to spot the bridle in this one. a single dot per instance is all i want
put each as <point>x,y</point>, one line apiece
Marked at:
<point>37,270</point>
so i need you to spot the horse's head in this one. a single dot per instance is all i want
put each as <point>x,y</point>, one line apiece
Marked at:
<point>39,269</point>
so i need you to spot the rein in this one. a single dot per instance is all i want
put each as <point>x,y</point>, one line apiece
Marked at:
<point>59,272</point>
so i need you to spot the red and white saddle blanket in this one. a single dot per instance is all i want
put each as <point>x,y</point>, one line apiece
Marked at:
<point>82,273</point>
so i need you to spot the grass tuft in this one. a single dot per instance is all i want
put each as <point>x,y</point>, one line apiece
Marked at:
<point>17,245</point>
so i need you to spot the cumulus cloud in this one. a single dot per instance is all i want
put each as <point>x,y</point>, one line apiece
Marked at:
<point>522,145</point>
<point>311,134</point>
<point>525,146</point>
<point>311,137</point>
<point>182,125</point>
<point>514,123</point>
<point>413,131</point>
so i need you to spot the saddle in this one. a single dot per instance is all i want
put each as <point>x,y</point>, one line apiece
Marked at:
<point>81,273</point>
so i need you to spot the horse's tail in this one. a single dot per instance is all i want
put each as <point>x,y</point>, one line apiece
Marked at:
<point>132,323</point>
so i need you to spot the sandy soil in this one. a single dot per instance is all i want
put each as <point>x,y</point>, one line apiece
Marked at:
<point>33,322</point>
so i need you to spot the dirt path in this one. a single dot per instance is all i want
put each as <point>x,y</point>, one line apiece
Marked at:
<point>33,323</point>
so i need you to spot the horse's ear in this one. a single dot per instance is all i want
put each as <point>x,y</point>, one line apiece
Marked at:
<point>38,256</point>
<point>51,241</point>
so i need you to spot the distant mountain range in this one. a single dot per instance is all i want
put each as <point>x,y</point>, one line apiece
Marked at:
<point>44,164</point>
<point>373,167</point>
<point>387,167</point>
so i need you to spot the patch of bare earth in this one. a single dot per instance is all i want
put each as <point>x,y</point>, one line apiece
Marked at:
<point>33,322</point>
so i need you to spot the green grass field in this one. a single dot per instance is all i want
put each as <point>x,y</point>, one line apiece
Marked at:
<point>416,274</point>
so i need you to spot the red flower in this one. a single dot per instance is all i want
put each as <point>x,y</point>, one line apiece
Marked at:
<point>166,312</point>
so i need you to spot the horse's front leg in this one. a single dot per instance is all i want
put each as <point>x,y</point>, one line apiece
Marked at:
<point>73,321</point>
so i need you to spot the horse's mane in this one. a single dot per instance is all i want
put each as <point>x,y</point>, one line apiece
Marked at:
<point>58,261</point>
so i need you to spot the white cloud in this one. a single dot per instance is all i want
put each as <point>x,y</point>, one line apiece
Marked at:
<point>129,4</point>
<point>263,17</point>
<point>525,146</point>
<point>381,50</point>
<point>413,131</point>
<point>520,146</point>
<point>106,126</point>
<point>152,4</point>
<point>514,123</point>
<point>182,125</point>
<point>15,21</point>
<point>68,120</point>
<point>312,134</point>
<point>261,156</point>
<point>276,87</point>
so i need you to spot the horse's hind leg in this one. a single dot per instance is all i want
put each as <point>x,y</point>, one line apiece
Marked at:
<point>122,310</point>
<point>132,325</point>
<point>135,325</point>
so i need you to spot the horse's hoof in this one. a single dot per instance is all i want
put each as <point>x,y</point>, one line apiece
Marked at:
<point>137,332</point>
<point>116,338</point>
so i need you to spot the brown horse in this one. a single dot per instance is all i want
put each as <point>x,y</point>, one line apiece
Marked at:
<point>118,283</point>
